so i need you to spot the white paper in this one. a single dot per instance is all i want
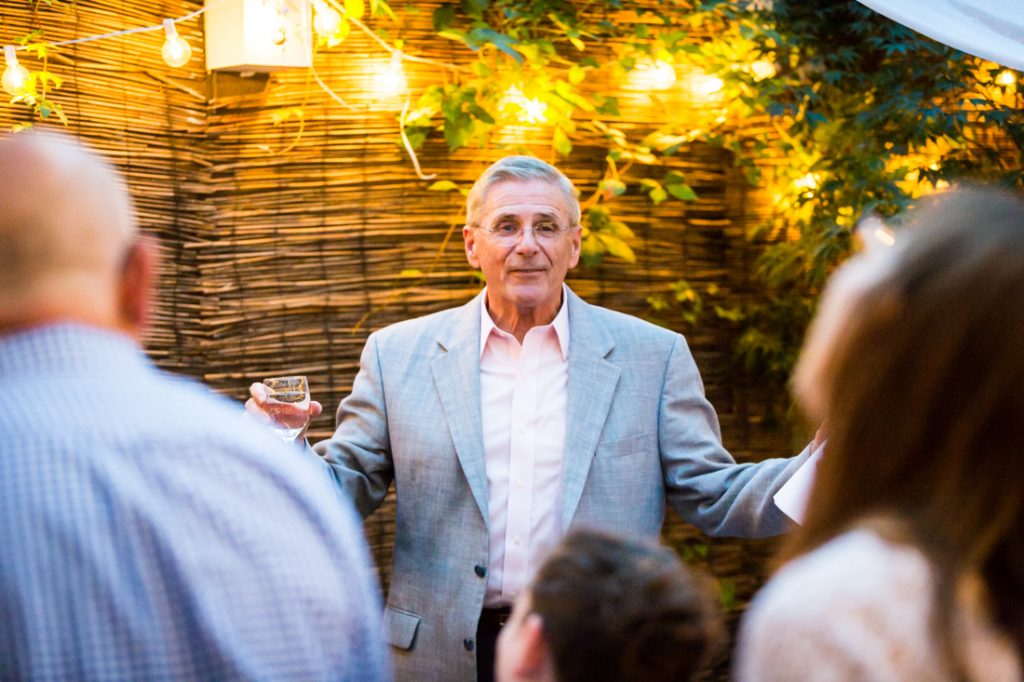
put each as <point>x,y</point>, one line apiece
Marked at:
<point>794,493</point>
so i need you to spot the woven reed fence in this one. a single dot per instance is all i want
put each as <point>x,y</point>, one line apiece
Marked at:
<point>284,244</point>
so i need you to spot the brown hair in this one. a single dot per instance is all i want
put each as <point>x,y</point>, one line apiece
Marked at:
<point>622,610</point>
<point>924,397</point>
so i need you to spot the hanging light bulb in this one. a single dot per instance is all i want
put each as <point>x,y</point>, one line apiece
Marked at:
<point>176,50</point>
<point>516,105</point>
<point>326,20</point>
<point>704,87</point>
<point>15,75</point>
<point>651,74</point>
<point>762,69</point>
<point>1006,78</point>
<point>392,81</point>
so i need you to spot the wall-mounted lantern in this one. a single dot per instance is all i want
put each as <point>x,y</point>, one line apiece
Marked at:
<point>258,35</point>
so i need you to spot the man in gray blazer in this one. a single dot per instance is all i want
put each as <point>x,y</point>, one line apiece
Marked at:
<point>525,412</point>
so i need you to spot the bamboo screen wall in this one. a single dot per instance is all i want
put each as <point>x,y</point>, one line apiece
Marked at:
<point>285,244</point>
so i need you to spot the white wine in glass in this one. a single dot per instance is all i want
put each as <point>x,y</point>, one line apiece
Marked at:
<point>287,405</point>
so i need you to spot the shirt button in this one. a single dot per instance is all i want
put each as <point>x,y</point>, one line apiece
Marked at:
<point>480,571</point>
<point>520,485</point>
<point>468,643</point>
<point>516,538</point>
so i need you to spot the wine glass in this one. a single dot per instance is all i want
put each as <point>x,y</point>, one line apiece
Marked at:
<point>287,405</point>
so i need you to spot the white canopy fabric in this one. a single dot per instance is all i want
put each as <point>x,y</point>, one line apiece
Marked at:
<point>990,29</point>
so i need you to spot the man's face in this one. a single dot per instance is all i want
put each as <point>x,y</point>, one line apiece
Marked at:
<point>523,272</point>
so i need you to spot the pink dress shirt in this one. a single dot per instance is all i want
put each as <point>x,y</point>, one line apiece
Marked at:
<point>523,395</point>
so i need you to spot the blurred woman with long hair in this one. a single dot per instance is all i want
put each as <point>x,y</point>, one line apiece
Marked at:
<point>910,562</point>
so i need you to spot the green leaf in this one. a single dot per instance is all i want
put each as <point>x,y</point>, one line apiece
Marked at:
<point>443,186</point>
<point>474,8</point>
<point>561,142</point>
<point>480,113</point>
<point>355,8</point>
<point>617,247</point>
<point>458,132</point>
<point>621,230</point>
<point>459,36</point>
<point>443,17</point>
<point>565,91</point>
<point>682,192</point>
<point>503,42</point>
<point>612,188</point>
<point>607,106</point>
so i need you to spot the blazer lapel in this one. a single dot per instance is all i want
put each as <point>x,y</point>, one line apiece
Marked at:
<point>457,379</point>
<point>592,381</point>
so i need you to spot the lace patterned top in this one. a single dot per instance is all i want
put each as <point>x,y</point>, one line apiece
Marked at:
<point>859,608</point>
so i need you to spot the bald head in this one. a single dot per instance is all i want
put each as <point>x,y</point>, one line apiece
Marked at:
<point>66,231</point>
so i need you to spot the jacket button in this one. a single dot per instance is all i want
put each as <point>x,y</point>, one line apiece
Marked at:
<point>480,571</point>
<point>468,643</point>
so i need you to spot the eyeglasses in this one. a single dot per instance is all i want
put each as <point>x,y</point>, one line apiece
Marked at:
<point>510,232</point>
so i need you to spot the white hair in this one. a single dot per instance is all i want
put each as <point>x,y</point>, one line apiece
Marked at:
<point>520,169</point>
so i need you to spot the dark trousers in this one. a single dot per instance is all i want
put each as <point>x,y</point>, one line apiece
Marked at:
<point>491,621</point>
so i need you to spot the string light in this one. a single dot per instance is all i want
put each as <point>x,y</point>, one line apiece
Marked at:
<point>806,184</point>
<point>392,81</point>
<point>1006,78</point>
<point>16,76</point>
<point>704,87</point>
<point>652,74</point>
<point>176,50</point>
<point>762,69</point>
<point>326,20</point>
<point>530,109</point>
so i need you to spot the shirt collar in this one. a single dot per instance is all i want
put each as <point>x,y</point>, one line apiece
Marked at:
<point>560,324</point>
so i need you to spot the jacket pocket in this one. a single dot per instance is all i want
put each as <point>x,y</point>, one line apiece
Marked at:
<point>624,447</point>
<point>399,627</point>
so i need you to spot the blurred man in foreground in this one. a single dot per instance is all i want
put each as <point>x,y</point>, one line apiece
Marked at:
<point>148,531</point>
<point>607,608</point>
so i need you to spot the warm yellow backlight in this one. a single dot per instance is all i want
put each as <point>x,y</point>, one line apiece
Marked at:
<point>1006,78</point>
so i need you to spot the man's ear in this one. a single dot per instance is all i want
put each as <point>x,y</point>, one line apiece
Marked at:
<point>469,237</point>
<point>534,654</point>
<point>577,243</point>
<point>136,285</point>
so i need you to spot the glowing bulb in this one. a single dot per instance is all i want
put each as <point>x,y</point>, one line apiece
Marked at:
<point>762,69</point>
<point>530,109</point>
<point>1006,78</point>
<point>326,20</point>
<point>806,184</point>
<point>652,74</point>
<point>662,75</point>
<point>15,75</point>
<point>392,80</point>
<point>176,50</point>
<point>704,87</point>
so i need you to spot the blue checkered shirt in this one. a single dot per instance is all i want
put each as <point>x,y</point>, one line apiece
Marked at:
<point>148,531</point>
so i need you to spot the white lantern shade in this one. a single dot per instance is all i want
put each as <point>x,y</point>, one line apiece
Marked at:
<point>258,35</point>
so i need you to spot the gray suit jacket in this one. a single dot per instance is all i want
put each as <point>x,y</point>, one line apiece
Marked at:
<point>639,433</point>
